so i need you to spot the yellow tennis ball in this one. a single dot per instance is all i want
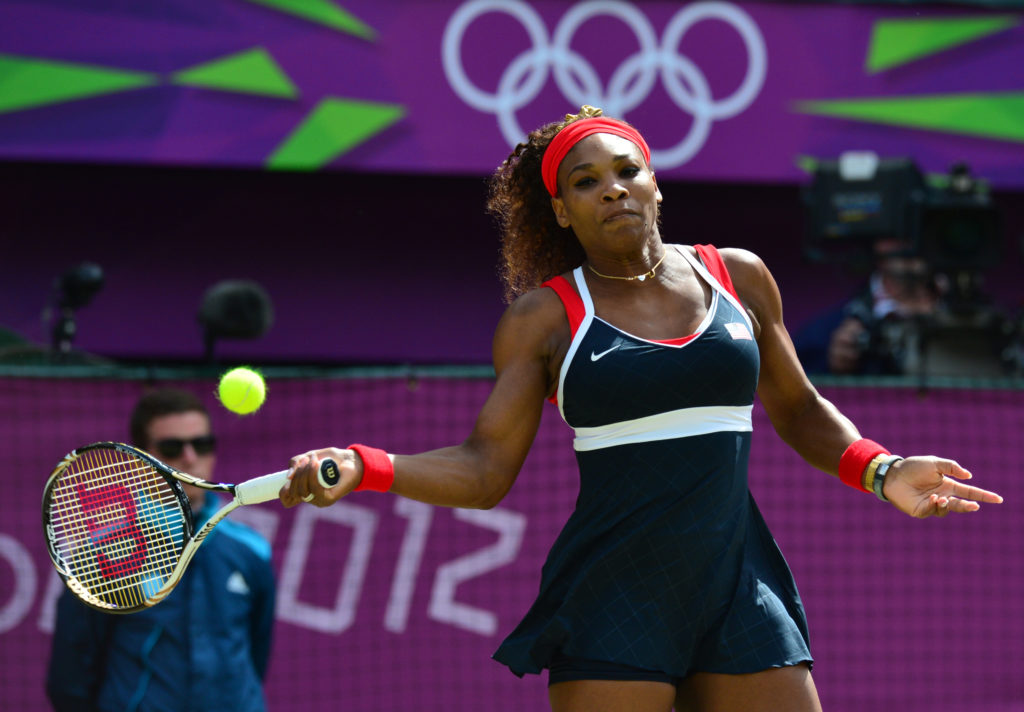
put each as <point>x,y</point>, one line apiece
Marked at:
<point>242,390</point>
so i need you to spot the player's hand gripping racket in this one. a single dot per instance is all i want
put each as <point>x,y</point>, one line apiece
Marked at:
<point>118,524</point>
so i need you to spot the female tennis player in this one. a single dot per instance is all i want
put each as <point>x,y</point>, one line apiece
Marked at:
<point>665,588</point>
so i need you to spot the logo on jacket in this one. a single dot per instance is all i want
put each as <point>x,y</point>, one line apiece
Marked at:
<point>237,584</point>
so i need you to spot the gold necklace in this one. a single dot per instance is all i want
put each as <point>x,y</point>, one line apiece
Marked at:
<point>639,277</point>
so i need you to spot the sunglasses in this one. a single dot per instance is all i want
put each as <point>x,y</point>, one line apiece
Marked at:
<point>173,447</point>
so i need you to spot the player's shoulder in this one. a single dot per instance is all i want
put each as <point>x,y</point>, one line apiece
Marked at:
<point>754,283</point>
<point>740,259</point>
<point>751,279</point>
<point>533,326</point>
<point>538,300</point>
<point>734,258</point>
<point>539,309</point>
<point>746,269</point>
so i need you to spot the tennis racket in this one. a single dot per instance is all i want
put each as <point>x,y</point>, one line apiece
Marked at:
<point>118,524</point>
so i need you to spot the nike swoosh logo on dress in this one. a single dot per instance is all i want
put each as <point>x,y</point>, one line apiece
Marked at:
<point>595,357</point>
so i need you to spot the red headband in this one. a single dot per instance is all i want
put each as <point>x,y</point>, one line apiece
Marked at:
<point>573,133</point>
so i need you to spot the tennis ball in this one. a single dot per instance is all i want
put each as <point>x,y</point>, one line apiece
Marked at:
<point>242,390</point>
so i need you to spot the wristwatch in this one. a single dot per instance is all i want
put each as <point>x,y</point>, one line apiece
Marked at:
<point>880,473</point>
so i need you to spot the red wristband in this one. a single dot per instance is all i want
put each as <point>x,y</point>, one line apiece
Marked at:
<point>378,470</point>
<point>855,459</point>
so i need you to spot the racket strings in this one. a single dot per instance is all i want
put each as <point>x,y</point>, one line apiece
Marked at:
<point>118,525</point>
<point>113,545</point>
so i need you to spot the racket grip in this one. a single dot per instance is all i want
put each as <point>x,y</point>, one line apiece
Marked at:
<point>261,489</point>
<point>328,474</point>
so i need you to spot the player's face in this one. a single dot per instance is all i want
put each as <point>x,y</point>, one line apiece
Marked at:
<point>608,193</point>
<point>185,427</point>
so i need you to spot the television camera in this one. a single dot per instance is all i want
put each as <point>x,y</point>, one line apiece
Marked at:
<point>950,227</point>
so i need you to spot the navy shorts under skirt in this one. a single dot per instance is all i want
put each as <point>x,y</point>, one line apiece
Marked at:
<point>565,668</point>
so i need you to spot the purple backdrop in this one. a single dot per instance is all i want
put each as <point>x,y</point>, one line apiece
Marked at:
<point>409,601</point>
<point>718,99</point>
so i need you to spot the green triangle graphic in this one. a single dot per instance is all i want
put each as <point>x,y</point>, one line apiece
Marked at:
<point>323,12</point>
<point>28,82</point>
<point>896,42</point>
<point>253,71</point>
<point>998,116</point>
<point>331,128</point>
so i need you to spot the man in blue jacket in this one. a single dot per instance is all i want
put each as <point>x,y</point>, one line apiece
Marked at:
<point>204,647</point>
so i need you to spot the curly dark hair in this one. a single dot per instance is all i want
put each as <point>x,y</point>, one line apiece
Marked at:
<point>534,247</point>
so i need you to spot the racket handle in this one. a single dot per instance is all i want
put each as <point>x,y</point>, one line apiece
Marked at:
<point>265,488</point>
<point>329,475</point>
<point>261,489</point>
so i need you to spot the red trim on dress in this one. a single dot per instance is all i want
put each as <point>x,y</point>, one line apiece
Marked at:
<point>714,263</point>
<point>677,342</point>
<point>571,300</point>
<point>574,309</point>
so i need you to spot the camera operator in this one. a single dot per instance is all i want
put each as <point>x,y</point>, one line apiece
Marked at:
<point>923,311</point>
<point>876,334</point>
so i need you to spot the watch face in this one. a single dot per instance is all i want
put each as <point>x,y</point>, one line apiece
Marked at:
<point>880,474</point>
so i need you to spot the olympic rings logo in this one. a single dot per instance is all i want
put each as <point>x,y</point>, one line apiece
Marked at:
<point>630,83</point>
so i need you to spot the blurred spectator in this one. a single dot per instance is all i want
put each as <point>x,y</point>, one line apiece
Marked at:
<point>206,646</point>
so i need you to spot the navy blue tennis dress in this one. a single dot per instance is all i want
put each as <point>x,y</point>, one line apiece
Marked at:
<point>666,563</point>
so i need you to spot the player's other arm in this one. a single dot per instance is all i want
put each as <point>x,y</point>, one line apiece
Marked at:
<point>920,486</point>
<point>478,472</point>
<point>803,418</point>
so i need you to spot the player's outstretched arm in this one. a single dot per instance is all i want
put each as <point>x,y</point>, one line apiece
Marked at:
<point>478,472</point>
